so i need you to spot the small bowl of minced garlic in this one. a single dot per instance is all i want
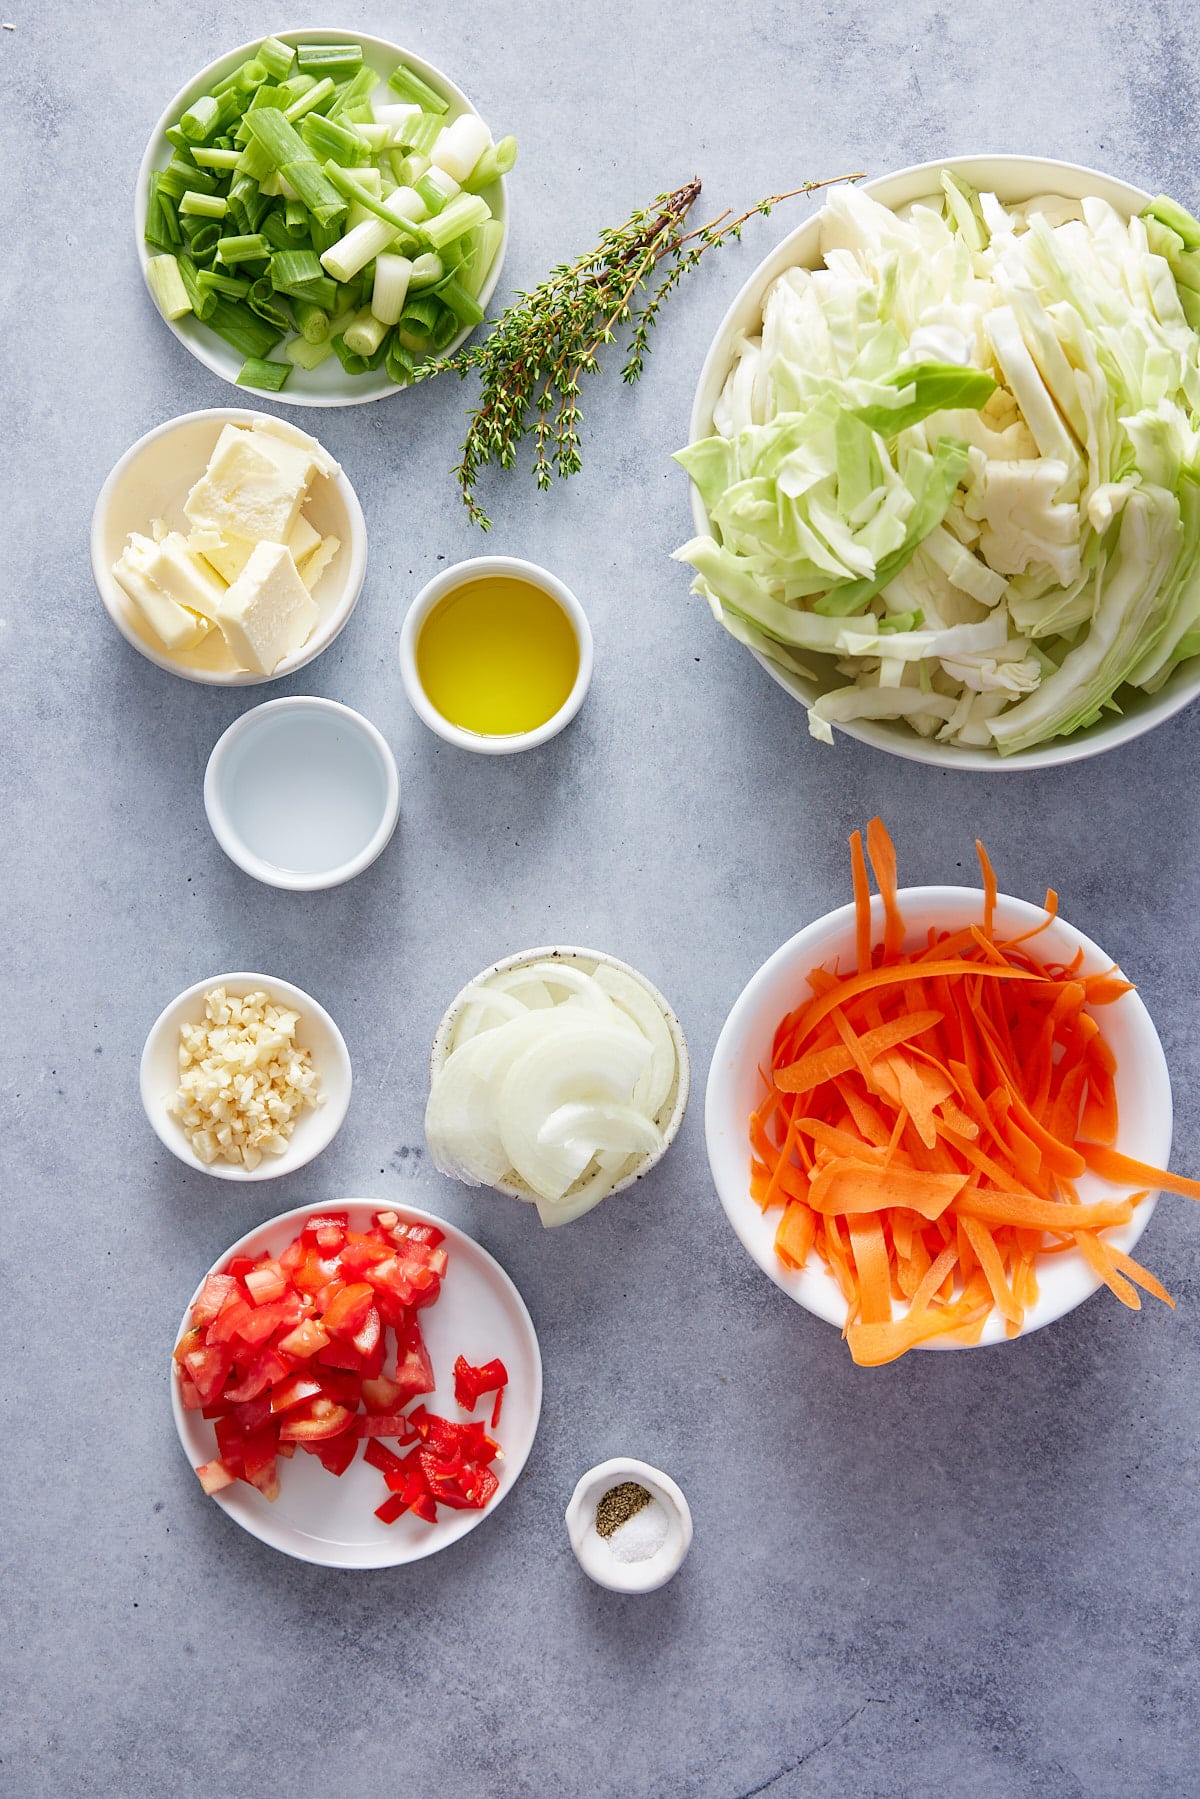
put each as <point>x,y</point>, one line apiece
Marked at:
<point>245,1077</point>
<point>228,547</point>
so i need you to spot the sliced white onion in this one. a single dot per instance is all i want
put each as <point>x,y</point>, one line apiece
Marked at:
<point>554,1082</point>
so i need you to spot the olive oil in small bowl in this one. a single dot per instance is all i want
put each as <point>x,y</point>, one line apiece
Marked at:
<point>496,655</point>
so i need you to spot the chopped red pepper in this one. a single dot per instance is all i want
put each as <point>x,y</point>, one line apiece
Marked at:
<point>470,1383</point>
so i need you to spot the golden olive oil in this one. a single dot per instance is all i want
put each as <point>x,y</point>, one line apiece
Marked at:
<point>497,656</point>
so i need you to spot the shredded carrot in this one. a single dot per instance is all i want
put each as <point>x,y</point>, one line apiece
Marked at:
<point>927,1115</point>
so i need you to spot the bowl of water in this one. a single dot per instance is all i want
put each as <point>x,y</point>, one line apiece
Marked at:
<point>302,793</point>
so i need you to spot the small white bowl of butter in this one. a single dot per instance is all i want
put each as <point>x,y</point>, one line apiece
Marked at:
<point>260,572</point>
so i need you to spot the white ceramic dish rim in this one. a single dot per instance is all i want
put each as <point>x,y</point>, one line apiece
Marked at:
<point>1029,175</point>
<point>211,350</point>
<point>450,1528</point>
<point>568,954</point>
<point>314,1131</point>
<point>629,1577</point>
<point>116,604</point>
<point>1065,1284</point>
<point>240,852</point>
<point>474,569</point>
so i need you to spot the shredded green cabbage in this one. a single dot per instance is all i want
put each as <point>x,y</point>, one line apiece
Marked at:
<point>960,465</point>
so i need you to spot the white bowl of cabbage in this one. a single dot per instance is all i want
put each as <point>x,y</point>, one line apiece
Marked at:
<point>945,463</point>
<point>558,1076</point>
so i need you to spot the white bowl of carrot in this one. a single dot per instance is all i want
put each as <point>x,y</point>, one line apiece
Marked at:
<point>957,1146</point>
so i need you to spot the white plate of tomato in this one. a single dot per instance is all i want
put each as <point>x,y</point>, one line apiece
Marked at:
<point>357,1385</point>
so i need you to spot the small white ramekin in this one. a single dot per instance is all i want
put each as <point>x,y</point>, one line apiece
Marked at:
<point>476,569</point>
<point>221,771</point>
<point>152,480</point>
<point>316,1031</point>
<point>592,1551</point>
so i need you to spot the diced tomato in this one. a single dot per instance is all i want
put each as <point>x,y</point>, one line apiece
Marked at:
<point>410,1231</point>
<point>327,1229</point>
<point>381,1394</point>
<point>414,1370</point>
<point>385,1424</point>
<point>258,1451</point>
<point>189,1395</point>
<point>266,1283</point>
<point>249,1414</point>
<point>361,1254</point>
<point>345,1312</point>
<point>367,1337</point>
<point>213,1294</point>
<point>260,1373</point>
<point>207,1369</point>
<point>292,1391</point>
<point>239,1265</point>
<point>313,1422</point>
<point>215,1475</point>
<point>305,1340</point>
<point>338,1455</point>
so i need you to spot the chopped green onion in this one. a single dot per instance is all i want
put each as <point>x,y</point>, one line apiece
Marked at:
<point>251,248</point>
<point>355,95</point>
<point>463,214</point>
<point>341,59</point>
<point>201,118</point>
<point>166,285</point>
<point>307,355</point>
<point>253,162</point>
<point>311,101</point>
<point>261,299</point>
<point>403,207</point>
<point>405,82</point>
<point>423,134</point>
<point>295,218</point>
<point>270,376</point>
<point>330,141</point>
<point>427,270</point>
<point>232,286</point>
<point>203,236</point>
<point>312,320</point>
<point>462,304</point>
<point>275,230</point>
<point>293,268</point>
<point>482,247</point>
<point>390,288</point>
<point>408,170</point>
<point>359,247</point>
<point>497,160</point>
<point>323,293</point>
<point>201,299</point>
<point>275,57</point>
<point>417,322</point>
<point>401,363</point>
<point>203,206</point>
<point>207,156</point>
<point>365,333</point>
<point>242,328</point>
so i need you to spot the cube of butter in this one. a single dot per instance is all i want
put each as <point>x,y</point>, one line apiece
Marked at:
<point>268,612</point>
<point>176,627</point>
<point>253,487</point>
<point>229,555</point>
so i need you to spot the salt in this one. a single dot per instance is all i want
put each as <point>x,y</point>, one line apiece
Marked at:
<point>641,1536</point>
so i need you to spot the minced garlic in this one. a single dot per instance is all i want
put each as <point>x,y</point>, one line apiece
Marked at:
<point>243,1080</point>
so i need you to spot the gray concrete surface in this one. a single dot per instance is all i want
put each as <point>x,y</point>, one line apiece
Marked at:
<point>970,1575</point>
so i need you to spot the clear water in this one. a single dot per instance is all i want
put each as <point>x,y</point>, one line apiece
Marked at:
<point>305,791</point>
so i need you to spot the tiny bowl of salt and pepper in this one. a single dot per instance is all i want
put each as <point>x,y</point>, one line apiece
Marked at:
<point>630,1526</point>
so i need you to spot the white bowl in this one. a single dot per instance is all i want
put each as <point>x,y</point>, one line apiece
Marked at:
<point>331,1520</point>
<point>670,1115</point>
<point>744,1047</point>
<point>592,1551</point>
<point>315,1128</point>
<point>334,756</point>
<point>1011,178</point>
<point>480,568</point>
<point>328,384</point>
<point>153,479</point>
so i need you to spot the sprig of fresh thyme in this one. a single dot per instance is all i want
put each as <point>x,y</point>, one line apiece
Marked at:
<point>531,363</point>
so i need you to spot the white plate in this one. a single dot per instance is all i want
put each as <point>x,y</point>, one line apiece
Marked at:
<point>328,1519</point>
<point>1011,179</point>
<point>328,384</point>
<point>744,1046</point>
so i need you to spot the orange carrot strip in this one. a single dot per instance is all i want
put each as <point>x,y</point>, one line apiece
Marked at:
<point>1093,1253</point>
<point>794,1238</point>
<point>989,888</point>
<point>820,1008</point>
<point>1136,1272</point>
<point>1041,1214</point>
<point>862,902</point>
<point>847,1186</point>
<point>1125,1171</point>
<point>871,1260</point>
<point>984,1245</point>
<point>882,852</point>
<point>822,1065</point>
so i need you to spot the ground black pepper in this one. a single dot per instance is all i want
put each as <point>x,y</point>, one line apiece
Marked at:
<point>620,1504</point>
